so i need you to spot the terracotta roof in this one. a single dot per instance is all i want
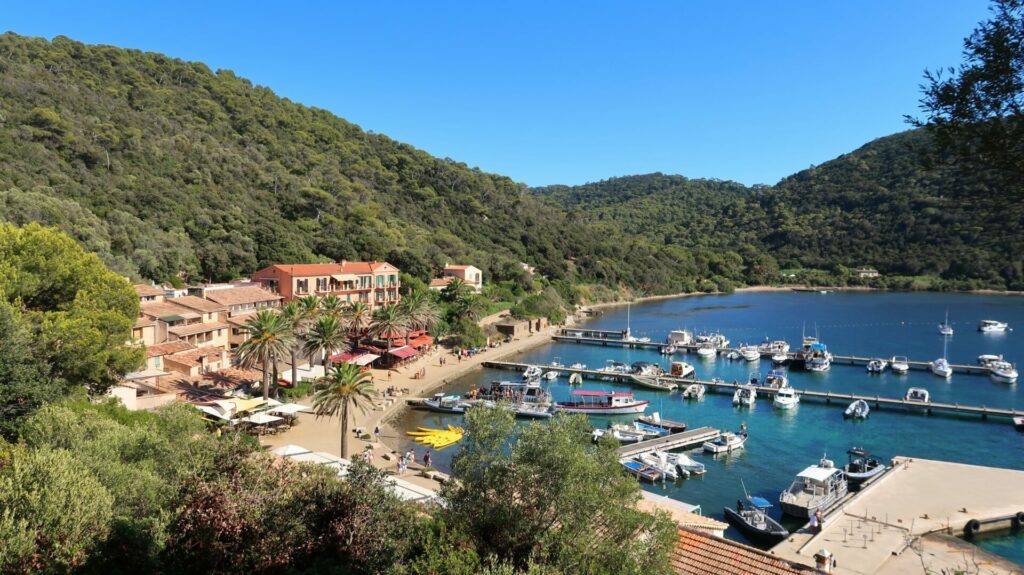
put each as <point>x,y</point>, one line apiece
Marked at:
<point>697,553</point>
<point>145,290</point>
<point>191,357</point>
<point>168,348</point>
<point>440,282</point>
<point>198,304</point>
<point>240,319</point>
<point>166,308</point>
<point>241,295</point>
<point>458,267</point>
<point>193,329</point>
<point>144,321</point>
<point>303,270</point>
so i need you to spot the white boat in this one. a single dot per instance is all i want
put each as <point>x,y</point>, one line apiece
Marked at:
<point>945,328</point>
<point>661,464</point>
<point>575,379</point>
<point>442,403</point>
<point>786,398</point>
<point>917,395</point>
<point>733,354</point>
<point>750,353</point>
<point>1003,371</point>
<point>681,369</point>
<point>818,358</point>
<point>683,462</point>
<point>877,365</point>
<point>859,409</point>
<point>780,358</point>
<point>532,410</point>
<point>694,391</point>
<point>992,326</point>
<point>817,487</point>
<point>899,364</point>
<point>620,435</point>
<point>940,366</point>
<point>745,396</point>
<point>532,372</point>
<point>726,442</point>
<point>602,403</point>
<point>719,340</point>
<point>578,365</point>
<point>988,360</point>
<point>680,337</point>
<point>707,350</point>
<point>773,347</point>
<point>776,379</point>
<point>550,375</point>
<point>668,350</point>
<point>557,362</point>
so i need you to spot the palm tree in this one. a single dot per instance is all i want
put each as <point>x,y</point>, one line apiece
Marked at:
<point>387,321</point>
<point>455,290</point>
<point>331,305</point>
<point>471,307</point>
<point>326,335</point>
<point>357,316</point>
<point>419,311</point>
<point>269,338</point>
<point>292,314</point>
<point>345,386</point>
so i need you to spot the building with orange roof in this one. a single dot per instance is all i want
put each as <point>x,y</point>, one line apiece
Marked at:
<point>699,553</point>
<point>470,275</point>
<point>374,283</point>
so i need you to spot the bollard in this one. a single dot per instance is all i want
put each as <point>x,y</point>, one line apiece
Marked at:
<point>865,542</point>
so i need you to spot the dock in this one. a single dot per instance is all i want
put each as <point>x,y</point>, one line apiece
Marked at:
<point>911,517</point>
<point>649,382</point>
<point>684,440</point>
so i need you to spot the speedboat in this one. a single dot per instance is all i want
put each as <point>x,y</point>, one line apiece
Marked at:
<point>1003,371</point>
<point>1018,423</point>
<point>877,365</point>
<point>602,403</point>
<point>532,410</point>
<point>861,467</point>
<point>992,326</point>
<point>745,396</point>
<point>681,369</point>
<point>776,379</point>
<point>753,522</point>
<point>786,398</point>
<point>642,471</point>
<point>750,353</point>
<point>773,347</point>
<point>683,462</point>
<point>917,395</point>
<point>557,362</point>
<point>532,372</point>
<point>988,360</point>
<point>899,364</point>
<point>668,470</point>
<point>694,391</point>
<point>815,488</point>
<point>945,328</point>
<point>707,350</point>
<point>726,442</point>
<point>651,430</point>
<point>940,366</point>
<point>780,358</point>
<point>819,358</point>
<point>550,375</point>
<point>859,409</point>
<point>442,403</point>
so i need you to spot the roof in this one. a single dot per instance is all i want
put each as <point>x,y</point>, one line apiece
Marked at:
<point>241,319</point>
<point>167,348</point>
<point>241,295</point>
<point>441,282</point>
<point>682,513</point>
<point>593,393</point>
<point>697,553</point>
<point>192,356</point>
<point>166,308</point>
<point>146,290</point>
<point>194,328</point>
<point>403,352</point>
<point>197,303</point>
<point>144,321</point>
<point>819,474</point>
<point>327,269</point>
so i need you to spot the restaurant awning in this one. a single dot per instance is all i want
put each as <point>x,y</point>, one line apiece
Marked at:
<point>288,408</point>
<point>421,341</point>
<point>365,359</point>
<point>262,418</point>
<point>403,352</point>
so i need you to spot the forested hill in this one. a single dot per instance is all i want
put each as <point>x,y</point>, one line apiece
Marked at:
<point>878,206</point>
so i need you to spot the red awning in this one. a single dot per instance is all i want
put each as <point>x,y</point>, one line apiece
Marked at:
<point>346,356</point>
<point>403,352</point>
<point>422,341</point>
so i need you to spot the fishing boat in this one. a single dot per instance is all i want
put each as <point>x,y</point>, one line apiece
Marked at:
<point>602,403</point>
<point>858,409</point>
<point>877,365</point>
<point>683,462</point>
<point>753,522</point>
<point>442,403</point>
<point>861,467</point>
<point>707,350</point>
<point>988,360</point>
<point>532,372</point>
<point>786,398</point>
<point>642,471</point>
<point>776,379</point>
<point>773,347</point>
<point>694,391</point>
<point>681,369</point>
<point>551,375</point>
<point>940,366</point>
<point>745,396</point>
<point>993,326</point>
<point>680,337</point>
<point>750,353</point>
<point>945,328</point>
<point>899,364</point>
<point>726,442</point>
<point>1003,372</point>
<point>656,420</point>
<point>670,472</point>
<point>917,395</point>
<point>816,487</point>
<point>651,430</point>
<point>780,358</point>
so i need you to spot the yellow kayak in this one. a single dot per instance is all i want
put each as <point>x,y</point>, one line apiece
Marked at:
<point>436,438</point>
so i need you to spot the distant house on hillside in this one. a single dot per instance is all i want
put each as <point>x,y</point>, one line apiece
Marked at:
<point>471,275</point>
<point>866,272</point>
<point>373,283</point>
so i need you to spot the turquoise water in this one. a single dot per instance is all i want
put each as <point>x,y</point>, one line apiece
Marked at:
<point>783,443</point>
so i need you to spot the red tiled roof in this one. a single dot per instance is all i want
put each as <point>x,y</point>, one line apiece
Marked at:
<point>167,348</point>
<point>192,356</point>
<point>167,308</point>
<point>421,341</point>
<point>240,320</point>
<point>302,270</point>
<point>198,303</point>
<point>193,329</point>
<point>240,295</point>
<point>697,553</point>
<point>145,290</point>
<point>441,282</point>
<point>459,267</point>
<point>143,321</point>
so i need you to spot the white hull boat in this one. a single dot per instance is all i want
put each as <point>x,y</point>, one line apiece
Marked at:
<point>750,353</point>
<point>988,360</point>
<point>551,375</point>
<point>733,355</point>
<point>683,462</point>
<point>786,398</point>
<point>695,391</point>
<point>940,367</point>
<point>578,366</point>
<point>668,350</point>
<point>776,379</point>
<point>707,351</point>
<point>745,396</point>
<point>877,365</point>
<point>661,464</point>
<point>899,364</point>
<point>726,442</point>
<point>1003,372</point>
<point>681,369</point>
<point>532,372</point>
<point>817,487</point>
<point>858,410</point>
<point>780,358</point>
<point>602,403</point>
<point>622,436</point>
<point>945,328</point>
<point>993,326</point>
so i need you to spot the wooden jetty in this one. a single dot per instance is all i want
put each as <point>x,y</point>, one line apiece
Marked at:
<point>593,333</point>
<point>611,342</point>
<point>683,440</point>
<point>662,383</point>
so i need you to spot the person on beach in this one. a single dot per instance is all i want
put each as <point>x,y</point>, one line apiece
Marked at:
<point>376,434</point>
<point>426,459</point>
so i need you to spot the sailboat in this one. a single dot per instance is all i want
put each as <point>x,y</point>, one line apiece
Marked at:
<point>940,367</point>
<point>945,328</point>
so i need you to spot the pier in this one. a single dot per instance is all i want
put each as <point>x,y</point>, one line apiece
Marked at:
<point>662,383</point>
<point>683,440</point>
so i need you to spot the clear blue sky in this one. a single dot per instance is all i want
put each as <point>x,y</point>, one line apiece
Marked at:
<point>567,92</point>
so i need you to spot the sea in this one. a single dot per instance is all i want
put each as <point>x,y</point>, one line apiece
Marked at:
<point>872,324</point>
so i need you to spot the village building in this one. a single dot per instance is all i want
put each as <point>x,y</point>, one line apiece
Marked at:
<point>242,301</point>
<point>470,275</point>
<point>866,272</point>
<point>376,284</point>
<point>521,328</point>
<point>697,552</point>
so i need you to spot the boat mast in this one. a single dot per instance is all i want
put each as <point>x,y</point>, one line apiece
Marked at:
<point>627,319</point>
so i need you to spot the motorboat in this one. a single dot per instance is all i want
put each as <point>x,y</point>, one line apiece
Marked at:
<point>680,337</point>
<point>877,365</point>
<point>670,472</point>
<point>988,360</point>
<point>532,410</point>
<point>620,434</point>
<point>578,365</point>
<point>861,467</point>
<point>917,395</point>
<point>899,364</point>
<point>750,353</point>
<point>695,391</point>
<point>656,420</point>
<point>681,369</point>
<point>575,379</point>
<point>719,340</point>
<point>946,328</point>
<point>551,375</point>
<point>602,403</point>
<point>1003,371</point>
<point>780,358</point>
<point>513,391</point>
<point>668,350</point>
<point>557,362</point>
<point>815,488</point>
<point>1018,423</point>
<point>858,409</point>
<point>532,372</point>
<point>651,430</point>
<point>646,368</point>
<point>442,403</point>
<point>776,379</point>
<point>734,355</point>
<point>707,350</point>
<point>726,442</point>
<point>684,462</point>
<point>642,471</point>
<point>745,396</point>
<point>993,326</point>
<point>940,366</point>
<point>773,347</point>
<point>786,398</point>
<point>819,358</point>
<point>752,520</point>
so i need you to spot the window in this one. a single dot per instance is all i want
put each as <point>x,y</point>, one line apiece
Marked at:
<point>321,284</point>
<point>380,281</point>
<point>392,280</point>
<point>302,286</point>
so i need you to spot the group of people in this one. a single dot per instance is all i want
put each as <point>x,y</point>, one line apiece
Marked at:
<point>408,458</point>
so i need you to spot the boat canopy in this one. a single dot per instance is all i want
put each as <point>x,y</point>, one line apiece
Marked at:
<point>818,474</point>
<point>592,393</point>
<point>760,502</point>
<point>818,347</point>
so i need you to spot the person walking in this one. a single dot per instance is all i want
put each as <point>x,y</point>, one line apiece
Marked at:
<point>376,434</point>
<point>426,459</point>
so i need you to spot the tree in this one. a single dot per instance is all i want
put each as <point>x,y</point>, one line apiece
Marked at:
<point>326,336</point>
<point>387,322</point>
<point>345,386</point>
<point>977,111</point>
<point>24,384</point>
<point>419,311</point>
<point>357,316</point>
<point>332,306</point>
<point>471,307</point>
<point>269,338</point>
<point>546,494</point>
<point>456,290</point>
<point>293,316</point>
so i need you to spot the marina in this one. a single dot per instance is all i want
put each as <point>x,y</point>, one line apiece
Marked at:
<point>683,440</point>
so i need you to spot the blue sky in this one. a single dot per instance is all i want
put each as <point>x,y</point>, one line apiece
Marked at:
<point>567,92</point>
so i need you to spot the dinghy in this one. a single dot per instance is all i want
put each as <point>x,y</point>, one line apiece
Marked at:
<point>753,521</point>
<point>859,409</point>
<point>662,466</point>
<point>642,471</point>
<point>726,442</point>
<point>861,467</point>
<point>695,391</point>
